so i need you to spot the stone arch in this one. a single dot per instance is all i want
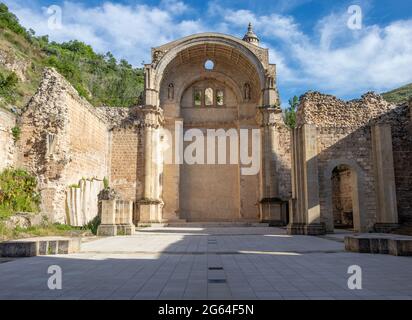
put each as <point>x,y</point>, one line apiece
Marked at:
<point>357,186</point>
<point>213,40</point>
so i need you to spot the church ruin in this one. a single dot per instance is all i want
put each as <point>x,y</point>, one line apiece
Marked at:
<point>347,164</point>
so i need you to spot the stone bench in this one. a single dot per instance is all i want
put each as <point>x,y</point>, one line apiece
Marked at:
<point>379,244</point>
<point>39,247</point>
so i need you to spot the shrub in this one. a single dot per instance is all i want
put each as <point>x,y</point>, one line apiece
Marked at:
<point>18,192</point>
<point>93,225</point>
<point>16,132</point>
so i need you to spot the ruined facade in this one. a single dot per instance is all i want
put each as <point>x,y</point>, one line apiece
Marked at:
<point>345,160</point>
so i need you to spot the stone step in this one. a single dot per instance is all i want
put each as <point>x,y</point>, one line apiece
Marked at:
<point>216,224</point>
<point>39,247</point>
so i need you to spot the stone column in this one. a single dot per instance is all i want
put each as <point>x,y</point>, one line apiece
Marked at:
<point>305,217</point>
<point>150,207</point>
<point>387,218</point>
<point>108,225</point>
<point>271,205</point>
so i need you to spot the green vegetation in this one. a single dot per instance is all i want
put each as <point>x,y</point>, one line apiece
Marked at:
<point>400,95</point>
<point>93,225</point>
<point>18,192</point>
<point>16,132</point>
<point>99,78</point>
<point>106,183</point>
<point>45,230</point>
<point>8,86</point>
<point>290,112</point>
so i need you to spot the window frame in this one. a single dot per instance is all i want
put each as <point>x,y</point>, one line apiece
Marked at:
<point>202,91</point>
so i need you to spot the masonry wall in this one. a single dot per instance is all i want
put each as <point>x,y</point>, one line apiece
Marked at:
<point>7,145</point>
<point>402,157</point>
<point>127,166</point>
<point>344,137</point>
<point>64,139</point>
<point>89,142</point>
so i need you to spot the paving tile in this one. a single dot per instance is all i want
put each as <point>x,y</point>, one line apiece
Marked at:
<point>265,264</point>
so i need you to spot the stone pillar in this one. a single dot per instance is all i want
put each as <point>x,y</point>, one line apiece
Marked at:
<point>305,205</point>
<point>387,218</point>
<point>150,207</point>
<point>151,94</point>
<point>272,208</point>
<point>270,92</point>
<point>116,218</point>
<point>108,224</point>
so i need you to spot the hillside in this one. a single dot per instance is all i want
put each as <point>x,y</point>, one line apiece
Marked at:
<point>399,95</point>
<point>99,78</point>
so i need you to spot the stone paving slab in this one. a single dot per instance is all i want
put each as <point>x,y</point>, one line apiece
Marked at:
<point>213,240</point>
<point>313,274</point>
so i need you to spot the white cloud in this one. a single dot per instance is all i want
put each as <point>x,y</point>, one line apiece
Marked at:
<point>333,58</point>
<point>127,31</point>
<point>336,59</point>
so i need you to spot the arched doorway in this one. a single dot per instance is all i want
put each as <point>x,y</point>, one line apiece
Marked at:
<point>342,197</point>
<point>344,187</point>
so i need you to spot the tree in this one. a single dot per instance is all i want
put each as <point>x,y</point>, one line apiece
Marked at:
<point>290,112</point>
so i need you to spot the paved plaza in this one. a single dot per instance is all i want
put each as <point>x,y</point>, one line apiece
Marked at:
<point>209,263</point>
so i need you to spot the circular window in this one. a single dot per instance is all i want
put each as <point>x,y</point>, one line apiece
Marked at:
<point>209,65</point>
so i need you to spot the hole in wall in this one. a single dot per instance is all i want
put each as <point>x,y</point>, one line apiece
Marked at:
<point>209,65</point>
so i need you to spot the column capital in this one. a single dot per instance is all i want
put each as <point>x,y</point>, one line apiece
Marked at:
<point>151,116</point>
<point>268,116</point>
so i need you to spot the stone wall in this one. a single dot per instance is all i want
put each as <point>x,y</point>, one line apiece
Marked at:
<point>126,169</point>
<point>64,139</point>
<point>342,196</point>
<point>344,137</point>
<point>7,144</point>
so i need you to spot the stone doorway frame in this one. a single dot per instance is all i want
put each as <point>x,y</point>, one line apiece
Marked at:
<point>358,182</point>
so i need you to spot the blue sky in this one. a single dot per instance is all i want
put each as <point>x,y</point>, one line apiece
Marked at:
<point>309,40</point>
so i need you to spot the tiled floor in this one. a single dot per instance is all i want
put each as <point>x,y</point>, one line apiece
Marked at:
<point>216,263</point>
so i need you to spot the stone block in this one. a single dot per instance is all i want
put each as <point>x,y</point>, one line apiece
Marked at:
<point>14,249</point>
<point>39,247</point>
<point>107,230</point>
<point>400,247</point>
<point>357,244</point>
<point>380,244</point>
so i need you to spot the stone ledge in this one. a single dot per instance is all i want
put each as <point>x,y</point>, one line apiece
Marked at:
<point>380,244</point>
<point>39,247</point>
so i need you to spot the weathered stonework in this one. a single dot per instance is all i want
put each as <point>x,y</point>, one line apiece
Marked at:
<point>8,149</point>
<point>65,140</point>
<point>370,136</point>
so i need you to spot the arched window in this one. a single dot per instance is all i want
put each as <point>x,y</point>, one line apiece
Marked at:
<point>209,97</point>
<point>220,97</point>
<point>197,97</point>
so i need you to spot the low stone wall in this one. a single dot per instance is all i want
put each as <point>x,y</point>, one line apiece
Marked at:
<point>380,244</point>
<point>39,247</point>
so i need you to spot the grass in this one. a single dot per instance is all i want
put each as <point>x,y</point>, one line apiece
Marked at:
<point>45,230</point>
<point>400,95</point>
